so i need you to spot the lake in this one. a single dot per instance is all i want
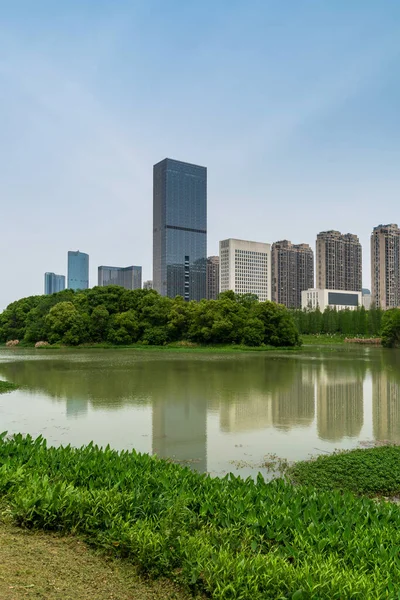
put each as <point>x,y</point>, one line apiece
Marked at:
<point>216,412</point>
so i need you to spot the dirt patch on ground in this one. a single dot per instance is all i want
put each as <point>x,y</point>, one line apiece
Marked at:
<point>35,565</point>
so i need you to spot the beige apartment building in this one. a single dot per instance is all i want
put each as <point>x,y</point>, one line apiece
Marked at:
<point>338,261</point>
<point>245,268</point>
<point>212,282</point>
<point>385,266</point>
<point>292,272</point>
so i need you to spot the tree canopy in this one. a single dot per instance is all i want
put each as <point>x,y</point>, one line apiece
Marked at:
<point>119,316</point>
<point>391,328</point>
<point>348,322</point>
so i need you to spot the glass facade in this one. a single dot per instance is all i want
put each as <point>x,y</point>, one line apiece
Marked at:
<point>179,229</point>
<point>339,299</point>
<point>53,283</point>
<point>78,270</point>
<point>127,277</point>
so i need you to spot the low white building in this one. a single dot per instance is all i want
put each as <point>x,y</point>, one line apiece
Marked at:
<point>245,268</point>
<point>322,298</point>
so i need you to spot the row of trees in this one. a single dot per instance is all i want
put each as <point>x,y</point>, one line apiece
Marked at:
<point>358,322</point>
<point>119,316</point>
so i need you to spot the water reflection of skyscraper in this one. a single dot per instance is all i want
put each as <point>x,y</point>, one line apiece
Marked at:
<point>340,411</point>
<point>385,406</point>
<point>179,399</point>
<point>76,407</point>
<point>283,406</point>
<point>295,406</point>
<point>180,429</point>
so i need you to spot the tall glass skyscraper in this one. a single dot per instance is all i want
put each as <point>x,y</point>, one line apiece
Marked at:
<point>53,283</point>
<point>179,229</point>
<point>78,270</point>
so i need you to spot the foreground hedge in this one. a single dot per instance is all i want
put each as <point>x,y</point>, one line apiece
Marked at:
<point>227,537</point>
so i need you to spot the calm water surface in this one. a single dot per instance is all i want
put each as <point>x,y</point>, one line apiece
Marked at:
<point>216,412</point>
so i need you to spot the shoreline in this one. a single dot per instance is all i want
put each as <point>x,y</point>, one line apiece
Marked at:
<point>308,340</point>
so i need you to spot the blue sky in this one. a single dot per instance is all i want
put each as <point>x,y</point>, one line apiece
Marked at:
<point>292,105</point>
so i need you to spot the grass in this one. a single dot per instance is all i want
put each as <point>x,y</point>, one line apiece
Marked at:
<point>372,472</point>
<point>328,339</point>
<point>319,339</point>
<point>228,538</point>
<point>175,347</point>
<point>36,565</point>
<point>5,387</point>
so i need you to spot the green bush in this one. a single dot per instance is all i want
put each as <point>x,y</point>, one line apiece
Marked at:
<point>229,538</point>
<point>118,316</point>
<point>391,328</point>
<point>373,471</point>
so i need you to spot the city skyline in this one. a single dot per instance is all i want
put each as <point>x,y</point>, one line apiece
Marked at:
<point>308,139</point>
<point>290,267</point>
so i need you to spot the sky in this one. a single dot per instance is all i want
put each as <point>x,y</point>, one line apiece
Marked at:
<point>292,106</point>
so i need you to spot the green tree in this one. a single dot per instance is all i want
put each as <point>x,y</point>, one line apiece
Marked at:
<point>36,325</point>
<point>279,326</point>
<point>13,319</point>
<point>67,325</point>
<point>153,314</point>
<point>125,328</point>
<point>391,328</point>
<point>109,296</point>
<point>179,318</point>
<point>253,332</point>
<point>99,324</point>
<point>362,321</point>
<point>375,315</point>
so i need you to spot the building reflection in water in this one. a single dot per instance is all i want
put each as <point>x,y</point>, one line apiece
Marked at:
<point>295,406</point>
<point>76,407</point>
<point>340,403</point>
<point>385,406</point>
<point>180,430</point>
<point>179,415</point>
<point>276,394</point>
<point>245,393</point>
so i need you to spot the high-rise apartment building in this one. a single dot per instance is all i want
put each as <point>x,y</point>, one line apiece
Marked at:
<point>148,285</point>
<point>53,283</point>
<point>338,261</point>
<point>385,266</point>
<point>78,270</point>
<point>212,277</point>
<point>245,268</point>
<point>127,277</point>
<point>292,272</point>
<point>179,229</point>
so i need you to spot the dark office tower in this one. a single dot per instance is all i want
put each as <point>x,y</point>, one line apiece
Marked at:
<point>179,229</point>
<point>292,272</point>
<point>212,277</point>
